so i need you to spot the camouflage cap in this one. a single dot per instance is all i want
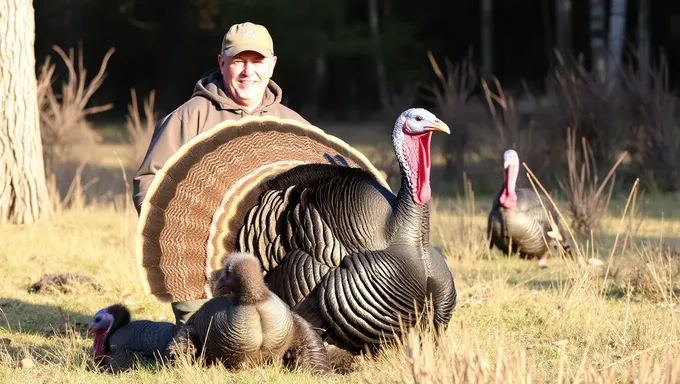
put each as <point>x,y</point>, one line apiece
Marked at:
<point>248,37</point>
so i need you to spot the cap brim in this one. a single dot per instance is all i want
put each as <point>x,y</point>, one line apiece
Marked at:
<point>235,50</point>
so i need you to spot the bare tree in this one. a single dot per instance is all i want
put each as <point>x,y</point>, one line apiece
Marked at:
<point>617,27</point>
<point>23,189</point>
<point>374,22</point>
<point>563,29</point>
<point>598,48</point>
<point>487,38</point>
<point>643,43</point>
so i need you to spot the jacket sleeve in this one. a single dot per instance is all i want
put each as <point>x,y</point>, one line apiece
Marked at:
<point>169,135</point>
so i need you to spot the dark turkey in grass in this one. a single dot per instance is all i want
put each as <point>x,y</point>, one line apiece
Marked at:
<point>348,255</point>
<point>120,343</point>
<point>248,324</point>
<point>518,222</point>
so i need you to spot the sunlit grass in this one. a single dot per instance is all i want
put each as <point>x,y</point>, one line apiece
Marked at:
<point>514,322</point>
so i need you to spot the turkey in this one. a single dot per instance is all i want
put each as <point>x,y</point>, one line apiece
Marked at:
<point>246,323</point>
<point>118,343</point>
<point>334,242</point>
<point>517,219</point>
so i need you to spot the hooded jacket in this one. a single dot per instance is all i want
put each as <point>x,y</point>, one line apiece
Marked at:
<point>208,106</point>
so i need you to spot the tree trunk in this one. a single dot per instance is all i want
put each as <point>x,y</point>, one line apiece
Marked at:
<point>377,44</point>
<point>617,26</point>
<point>487,38</point>
<point>643,41</point>
<point>313,106</point>
<point>598,49</point>
<point>172,65</point>
<point>563,33</point>
<point>547,33</point>
<point>74,23</point>
<point>23,190</point>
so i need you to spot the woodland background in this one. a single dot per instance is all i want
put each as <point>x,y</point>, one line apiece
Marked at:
<point>328,49</point>
<point>521,73</point>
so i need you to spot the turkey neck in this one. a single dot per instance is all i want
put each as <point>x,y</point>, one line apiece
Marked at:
<point>121,317</point>
<point>410,221</point>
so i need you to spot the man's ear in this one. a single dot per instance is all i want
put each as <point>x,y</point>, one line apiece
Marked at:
<point>273,64</point>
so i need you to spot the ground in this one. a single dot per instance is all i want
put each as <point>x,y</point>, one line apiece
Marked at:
<point>514,321</point>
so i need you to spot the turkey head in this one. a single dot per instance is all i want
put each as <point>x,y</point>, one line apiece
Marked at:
<point>508,198</point>
<point>411,139</point>
<point>104,323</point>
<point>241,280</point>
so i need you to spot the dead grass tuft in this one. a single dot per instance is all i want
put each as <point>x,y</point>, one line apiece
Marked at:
<point>65,132</point>
<point>452,97</point>
<point>140,133</point>
<point>656,127</point>
<point>584,192</point>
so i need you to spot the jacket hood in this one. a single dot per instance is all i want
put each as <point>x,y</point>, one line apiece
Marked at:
<point>211,87</point>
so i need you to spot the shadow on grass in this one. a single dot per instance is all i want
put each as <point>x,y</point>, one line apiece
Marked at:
<point>41,319</point>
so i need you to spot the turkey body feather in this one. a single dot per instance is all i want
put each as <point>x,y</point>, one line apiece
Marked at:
<point>326,211</point>
<point>523,227</point>
<point>337,256</point>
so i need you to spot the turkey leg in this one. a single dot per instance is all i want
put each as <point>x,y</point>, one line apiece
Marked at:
<point>543,261</point>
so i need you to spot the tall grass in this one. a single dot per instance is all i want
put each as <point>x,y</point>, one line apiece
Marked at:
<point>574,322</point>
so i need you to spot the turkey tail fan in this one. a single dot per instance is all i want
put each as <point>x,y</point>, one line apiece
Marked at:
<point>190,215</point>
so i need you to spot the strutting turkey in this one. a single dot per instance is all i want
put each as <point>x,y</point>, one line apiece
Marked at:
<point>517,221</point>
<point>334,242</point>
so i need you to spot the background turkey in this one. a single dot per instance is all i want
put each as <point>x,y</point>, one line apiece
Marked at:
<point>336,244</point>
<point>517,219</point>
<point>119,343</point>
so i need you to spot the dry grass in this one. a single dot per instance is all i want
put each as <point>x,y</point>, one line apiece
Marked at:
<point>584,191</point>
<point>452,97</point>
<point>656,127</point>
<point>140,133</point>
<point>514,322</point>
<point>66,134</point>
<point>636,119</point>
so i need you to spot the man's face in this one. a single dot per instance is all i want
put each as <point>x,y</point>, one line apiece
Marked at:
<point>246,76</point>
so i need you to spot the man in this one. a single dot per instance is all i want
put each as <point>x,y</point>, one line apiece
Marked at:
<point>241,86</point>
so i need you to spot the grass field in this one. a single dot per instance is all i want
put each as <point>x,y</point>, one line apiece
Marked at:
<point>514,322</point>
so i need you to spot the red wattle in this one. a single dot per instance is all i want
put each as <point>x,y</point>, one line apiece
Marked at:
<point>98,342</point>
<point>508,198</point>
<point>417,156</point>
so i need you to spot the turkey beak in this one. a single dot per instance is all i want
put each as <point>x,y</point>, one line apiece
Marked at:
<point>439,126</point>
<point>506,163</point>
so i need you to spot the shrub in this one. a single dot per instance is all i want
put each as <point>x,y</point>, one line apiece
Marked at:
<point>656,124</point>
<point>64,129</point>
<point>451,97</point>
<point>587,203</point>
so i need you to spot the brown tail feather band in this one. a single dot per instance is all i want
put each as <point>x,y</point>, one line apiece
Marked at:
<point>192,209</point>
<point>226,221</point>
